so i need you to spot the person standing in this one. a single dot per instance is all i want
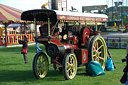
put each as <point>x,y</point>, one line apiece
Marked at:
<point>24,50</point>
<point>38,49</point>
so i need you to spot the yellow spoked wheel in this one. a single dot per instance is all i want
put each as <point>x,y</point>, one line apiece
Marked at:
<point>40,65</point>
<point>70,66</point>
<point>98,50</point>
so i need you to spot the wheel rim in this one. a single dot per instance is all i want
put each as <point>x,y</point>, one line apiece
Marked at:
<point>71,66</point>
<point>42,65</point>
<point>99,52</point>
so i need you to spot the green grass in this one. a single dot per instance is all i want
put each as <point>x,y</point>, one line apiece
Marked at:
<point>13,71</point>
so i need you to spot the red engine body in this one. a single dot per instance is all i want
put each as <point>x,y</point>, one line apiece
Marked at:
<point>74,43</point>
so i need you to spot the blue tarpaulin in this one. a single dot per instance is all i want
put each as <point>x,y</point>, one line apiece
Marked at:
<point>94,68</point>
<point>109,65</point>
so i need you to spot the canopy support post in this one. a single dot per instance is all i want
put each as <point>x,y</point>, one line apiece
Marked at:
<point>96,26</point>
<point>79,26</point>
<point>54,27</point>
<point>6,35</point>
<point>35,27</point>
<point>21,27</point>
<point>24,28</point>
<point>49,27</point>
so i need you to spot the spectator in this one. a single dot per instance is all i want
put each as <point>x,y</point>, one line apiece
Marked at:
<point>37,46</point>
<point>24,50</point>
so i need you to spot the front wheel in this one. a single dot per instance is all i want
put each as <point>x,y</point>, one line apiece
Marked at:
<point>69,66</point>
<point>40,65</point>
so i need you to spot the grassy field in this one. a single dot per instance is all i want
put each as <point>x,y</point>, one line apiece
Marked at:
<point>13,71</point>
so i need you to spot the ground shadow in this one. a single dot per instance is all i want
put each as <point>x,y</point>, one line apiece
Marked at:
<point>28,76</point>
<point>16,75</point>
<point>85,74</point>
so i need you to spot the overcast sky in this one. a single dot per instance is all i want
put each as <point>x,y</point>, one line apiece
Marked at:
<point>36,4</point>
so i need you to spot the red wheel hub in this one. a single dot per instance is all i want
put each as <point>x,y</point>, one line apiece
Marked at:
<point>86,34</point>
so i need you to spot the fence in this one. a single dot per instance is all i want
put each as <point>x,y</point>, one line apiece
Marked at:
<point>13,39</point>
<point>116,42</point>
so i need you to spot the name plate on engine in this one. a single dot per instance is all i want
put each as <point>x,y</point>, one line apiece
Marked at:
<point>84,56</point>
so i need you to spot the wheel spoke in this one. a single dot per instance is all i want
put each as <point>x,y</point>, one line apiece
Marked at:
<point>39,71</point>
<point>43,60</point>
<point>73,69</point>
<point>99,52</point>
<point>101,58</point>
<point>94,48</point>
<point>39,66</point>
<point>68,64</point>
<point>97,44</point>
<point>71,72</point>
<point>68,69</point>
<point>94,55</point>
<point>39,59</point>
<point>42,70</point>
<point>71,59</point>
<point>100,47</point>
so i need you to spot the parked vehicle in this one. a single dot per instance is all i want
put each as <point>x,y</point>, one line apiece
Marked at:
<point>74,46</point>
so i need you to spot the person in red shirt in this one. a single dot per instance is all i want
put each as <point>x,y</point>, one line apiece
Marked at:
<point>24,50</point>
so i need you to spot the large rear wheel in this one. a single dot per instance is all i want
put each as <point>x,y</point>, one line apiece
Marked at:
<point>70,66</point>
<point>98,50</point>
<point>40,65</point>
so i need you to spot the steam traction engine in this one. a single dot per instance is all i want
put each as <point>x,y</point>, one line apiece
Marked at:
<point>69,49</point>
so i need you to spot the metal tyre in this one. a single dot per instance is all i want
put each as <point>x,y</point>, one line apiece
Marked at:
<point>69,66</point>
<point>40,65</point>
<point>98,50</point>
